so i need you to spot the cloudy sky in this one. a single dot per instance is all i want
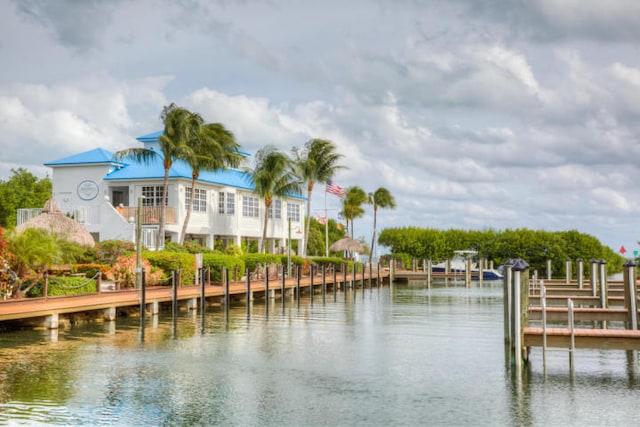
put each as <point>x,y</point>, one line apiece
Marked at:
<point>475,114</point>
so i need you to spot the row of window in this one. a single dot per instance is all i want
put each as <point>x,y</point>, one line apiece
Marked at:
<point>226,203</point>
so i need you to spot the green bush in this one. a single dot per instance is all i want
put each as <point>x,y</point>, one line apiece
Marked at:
<point>171,261</point>
<point>231,263</point>
<point>252,260</point>
<point>107,252</point>
<point>64,286</point>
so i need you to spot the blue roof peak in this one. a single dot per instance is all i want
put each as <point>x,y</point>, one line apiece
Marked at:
<point>95,156</point>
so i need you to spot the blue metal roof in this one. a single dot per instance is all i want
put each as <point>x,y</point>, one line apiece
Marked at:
<point>95,156</point>
<point>153,138</point>
<point>130,169</point>
<point>150,137</point>
<point>154,169</point>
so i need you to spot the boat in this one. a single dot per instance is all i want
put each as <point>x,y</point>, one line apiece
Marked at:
<point>459,265</point>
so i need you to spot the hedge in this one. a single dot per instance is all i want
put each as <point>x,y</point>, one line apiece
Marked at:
<point>65,286</point>
<point>252,260</point>
<point>230,262</point>
<point>171,261</point>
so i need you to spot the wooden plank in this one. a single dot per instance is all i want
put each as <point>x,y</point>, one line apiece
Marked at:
<point>555,314</point>
<point>608,339</point>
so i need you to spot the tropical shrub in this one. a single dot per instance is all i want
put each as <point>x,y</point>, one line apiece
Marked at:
<point>107,252</point>
<point>235,266</point>
<point>124,272</point>
<point>252,260</point>
<point>90,270</point>
<point>61,285</point>
<point>174,261</point>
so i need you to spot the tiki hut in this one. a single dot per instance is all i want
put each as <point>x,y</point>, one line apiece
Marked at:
<point>346,244</point>
<point>53,220</point>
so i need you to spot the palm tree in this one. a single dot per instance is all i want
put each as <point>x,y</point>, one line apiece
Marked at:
<point>352,203</point>
<point>316,162</point>
<point>272,176</point>
<point>172,144</point>
<point>380,198</point>
<point>210,147</point>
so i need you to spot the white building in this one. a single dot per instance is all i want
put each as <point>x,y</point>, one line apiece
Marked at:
<point>90,186</point>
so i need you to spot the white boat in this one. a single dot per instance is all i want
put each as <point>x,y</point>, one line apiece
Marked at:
<point>459,265</point>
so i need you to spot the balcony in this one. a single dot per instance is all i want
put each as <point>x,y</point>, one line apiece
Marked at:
<point>150,214</point>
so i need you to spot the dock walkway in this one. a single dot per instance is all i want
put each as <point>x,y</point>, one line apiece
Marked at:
<point>35,311</point>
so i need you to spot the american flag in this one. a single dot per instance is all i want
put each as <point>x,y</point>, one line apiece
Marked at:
<point>335,189</point>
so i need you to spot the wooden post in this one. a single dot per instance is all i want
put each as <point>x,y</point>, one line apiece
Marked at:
<point>284,289</point>
<point>429,272</point>
<point>580,273</point>
<point>516,320</point>
<point>143,295</point>
<point>311,274</point>
<point>174,293</point>
<point>567,271</point>
<point>266,285</point>
<point>604,303</point>
<point>45,291</point>
<point>467,273</point>
<point>363,268</point>
<point>343,267</point>
<point>548,269</point>
<point>227,294</point>
<point>335,282</point>
<point>355,274</point>
<point>593,276</point>
<point>631,295</point>
<point>248,276</point>
<point>572,341</point>
<point>508,296</point>
<point>324,282</point>
<point>298,274</point>
<point>370,272</point>
<point>543,305</point>
<point>391,266</point>
<point>203,299</point>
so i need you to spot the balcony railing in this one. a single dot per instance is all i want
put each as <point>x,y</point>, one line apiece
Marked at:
<point>150,214</point>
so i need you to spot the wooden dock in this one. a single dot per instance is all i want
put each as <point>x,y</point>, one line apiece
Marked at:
<point>570,314</point>
<point>48,312</point>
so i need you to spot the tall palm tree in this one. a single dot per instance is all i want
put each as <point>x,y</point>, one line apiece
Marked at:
<point>354,198</point>
<point>272,176</point>
<point>381,198</point>
<point>209,147</point>
<point>318,161</point>
<point>172,145</point>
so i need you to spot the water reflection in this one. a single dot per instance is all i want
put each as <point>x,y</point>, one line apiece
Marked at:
<point>400,355</point>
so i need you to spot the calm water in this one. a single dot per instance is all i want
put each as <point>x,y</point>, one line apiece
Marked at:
<point>401,356</point>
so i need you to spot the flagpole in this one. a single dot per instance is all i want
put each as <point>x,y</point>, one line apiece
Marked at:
<point>326,225</point>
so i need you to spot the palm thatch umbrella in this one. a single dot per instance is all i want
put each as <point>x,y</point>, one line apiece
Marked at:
<point>52,220</point>
<point>346,244</point>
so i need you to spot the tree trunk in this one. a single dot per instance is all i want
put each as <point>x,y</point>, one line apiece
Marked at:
<point>189,209</point>
<point>373,238</point>
<point>163,210</point>
<point>308,222</point>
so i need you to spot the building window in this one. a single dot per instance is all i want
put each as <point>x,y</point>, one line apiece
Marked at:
<point>231,203</point>
<point>221,202</point>
<point>275,210</point>
<point>226,203</point>
<point>250,206</point>
<point>152,196</point>
<point>293,212</point>
<point>199,201</point>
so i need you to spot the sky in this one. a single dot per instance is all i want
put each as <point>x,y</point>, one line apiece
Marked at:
<point>474,114</point>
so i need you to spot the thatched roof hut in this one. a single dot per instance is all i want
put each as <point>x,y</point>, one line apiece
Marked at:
<point>347,244</point>
<point>53,220</point>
